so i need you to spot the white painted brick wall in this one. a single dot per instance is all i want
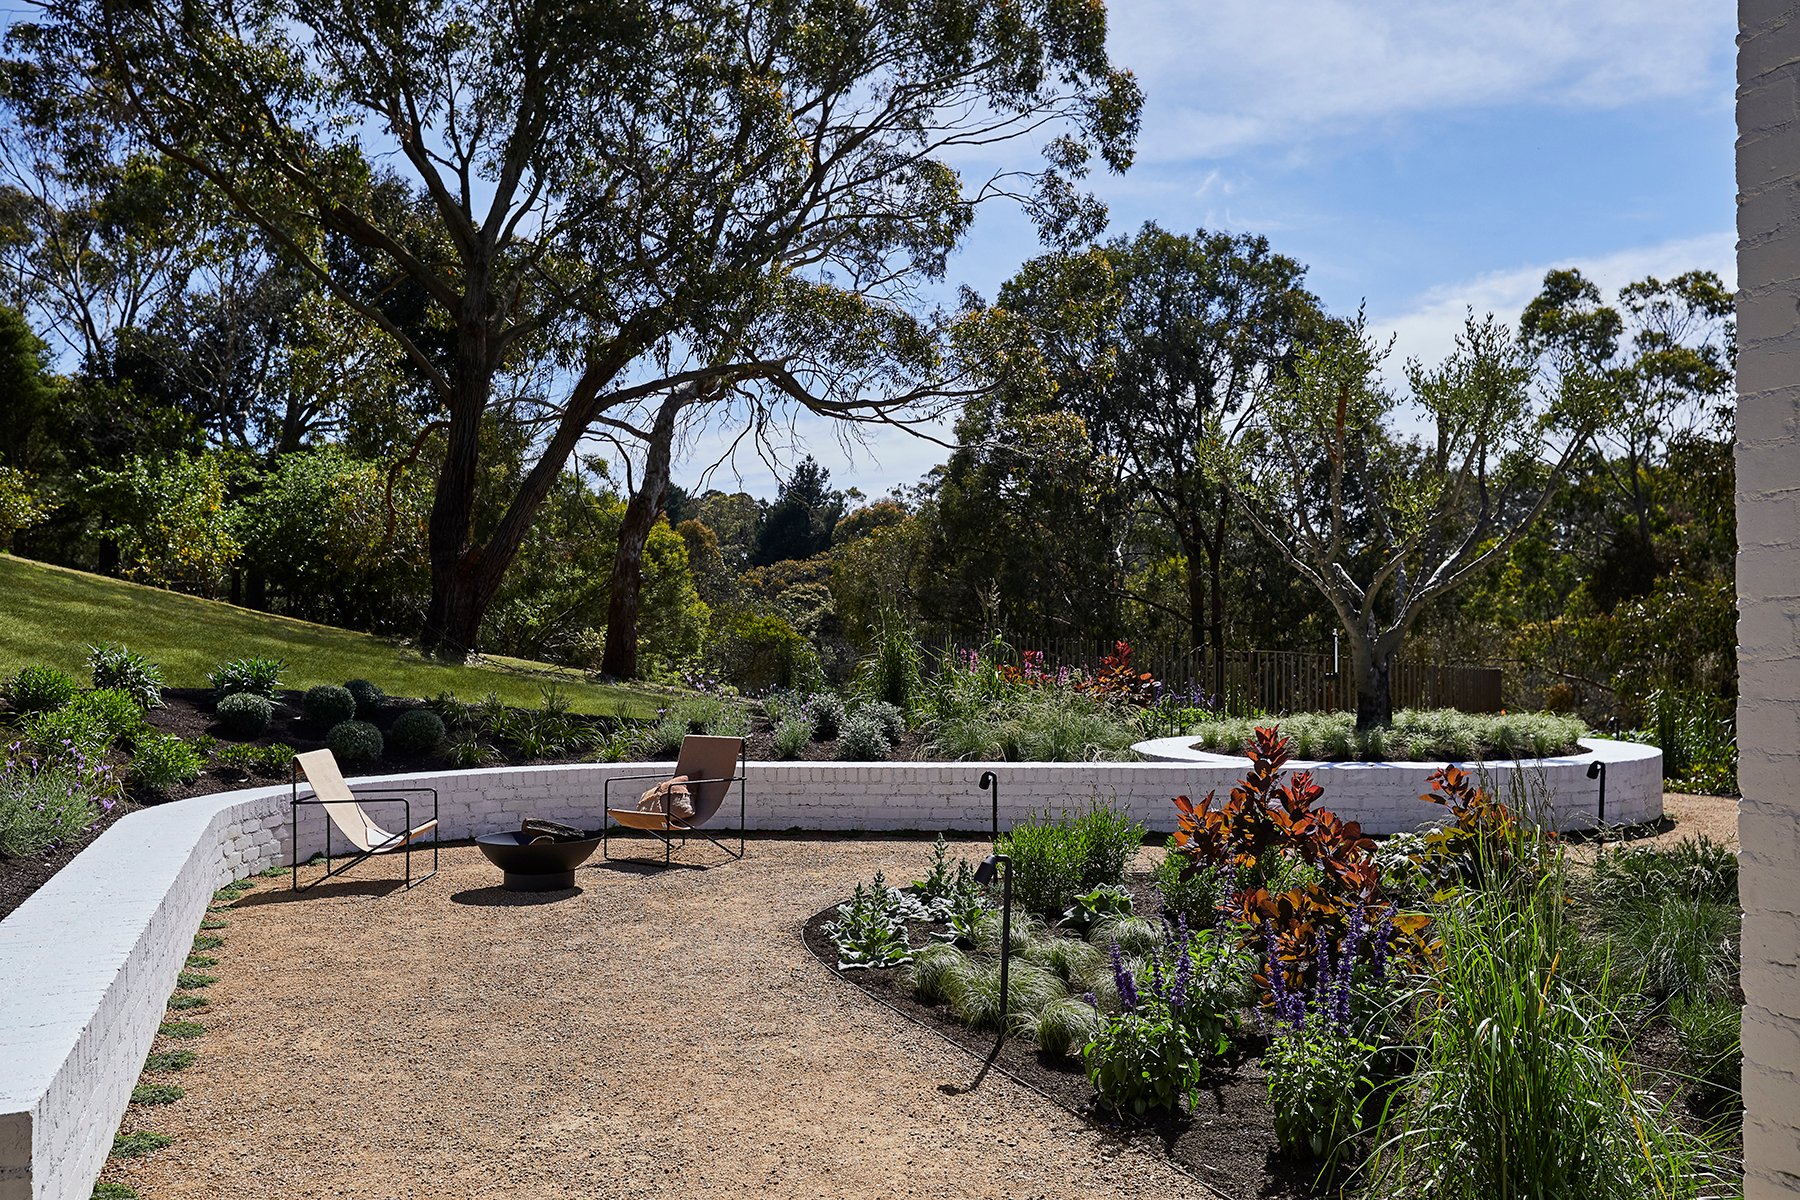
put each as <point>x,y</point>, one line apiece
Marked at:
<point>90,959</point>
<point>1768,586</point>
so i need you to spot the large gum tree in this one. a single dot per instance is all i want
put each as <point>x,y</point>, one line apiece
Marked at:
<point>609,196</point>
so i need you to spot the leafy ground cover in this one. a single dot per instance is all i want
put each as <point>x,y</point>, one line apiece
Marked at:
<point>1417,735</point>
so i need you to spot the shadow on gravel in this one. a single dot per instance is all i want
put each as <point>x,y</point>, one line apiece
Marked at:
<point>499,897</point>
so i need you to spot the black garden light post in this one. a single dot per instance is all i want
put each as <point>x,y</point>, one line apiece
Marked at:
<point>1597,770</point>
<point>991,782</point>
<point>984,875</point>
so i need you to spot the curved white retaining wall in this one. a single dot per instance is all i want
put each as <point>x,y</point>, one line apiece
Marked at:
<point>87,963</point>
<point>1384,796</point>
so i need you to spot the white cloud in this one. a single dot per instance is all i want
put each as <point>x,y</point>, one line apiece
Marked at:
<point>1225,75</point>
<point>1427,327</point>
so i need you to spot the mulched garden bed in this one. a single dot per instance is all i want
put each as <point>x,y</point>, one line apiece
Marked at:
<point>1228,1141</point>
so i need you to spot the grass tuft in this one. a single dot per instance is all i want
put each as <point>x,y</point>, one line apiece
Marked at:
<point>114,1191</point>
<point>156,1093</point>
<point>938,973</point>
<point>166,1062</point>
<point>1030,987</point>
<point>207,941</point>
<point>215,923</point>
<point>181,1029</point>
<point>1063,1026</point>
<point>139,1143</point>
<point>194,979</point>
<point>200,961</point>
<point>181,1002</point>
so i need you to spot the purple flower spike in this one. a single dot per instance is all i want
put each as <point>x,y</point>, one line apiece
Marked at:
<point>1128,997</point>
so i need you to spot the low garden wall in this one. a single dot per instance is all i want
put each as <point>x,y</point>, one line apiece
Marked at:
<point>88,962</point>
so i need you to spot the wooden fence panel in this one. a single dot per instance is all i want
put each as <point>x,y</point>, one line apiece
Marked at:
<point>1275,681</point>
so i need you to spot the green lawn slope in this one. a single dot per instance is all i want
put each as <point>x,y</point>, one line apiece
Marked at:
<point>50,614</point>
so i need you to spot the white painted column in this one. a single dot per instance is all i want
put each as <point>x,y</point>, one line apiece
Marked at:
<point>1768,585</point>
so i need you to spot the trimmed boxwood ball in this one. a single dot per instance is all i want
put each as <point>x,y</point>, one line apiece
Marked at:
<point>354,741</point>
<point>245,714</point>
<point>417,731</point>
<point>327,705</point>
<point>368,697</point>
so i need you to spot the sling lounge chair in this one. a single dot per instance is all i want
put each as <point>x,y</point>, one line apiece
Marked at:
<point>711,765</point>
<point>344,806</point>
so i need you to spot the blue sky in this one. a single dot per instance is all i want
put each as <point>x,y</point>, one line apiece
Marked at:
<point>1421,156</point>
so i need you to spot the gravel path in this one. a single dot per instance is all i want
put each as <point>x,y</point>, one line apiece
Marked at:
<point>661,1034</point>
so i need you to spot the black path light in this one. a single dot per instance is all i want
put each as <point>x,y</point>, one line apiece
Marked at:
<point>991,782</point>
<point>1597,770</point>
<point>984,875</point>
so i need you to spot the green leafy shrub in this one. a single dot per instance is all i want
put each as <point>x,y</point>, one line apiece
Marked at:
<point>792,737</point>
<point>758,652</point>
<point>56,731</point>
<point>1695,731</point>
<point>826,712</point>
<point>1194,896</point>
<point>862,740</point>
<point>51,802</point>
<point>114,709</point>
<point>1142,1060</point>
<point>890,719</point>
<point>1318,1075</point>
<point>326,705</point>
<point>163,761</point>
<point>268,761</point>
<point>367,696</point>
<point>40,689</point>
<point>1416,735</point>
<point>417,731</point>
<point>245,714</point>
<point>354,742</point>
<point>1056,859</point>
<point>114,666</point>
<point>255,676</point>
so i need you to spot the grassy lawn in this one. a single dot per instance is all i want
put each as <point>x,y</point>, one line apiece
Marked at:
<point>49,615</point>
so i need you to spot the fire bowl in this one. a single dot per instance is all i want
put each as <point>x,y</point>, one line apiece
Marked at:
<point>540,865</point>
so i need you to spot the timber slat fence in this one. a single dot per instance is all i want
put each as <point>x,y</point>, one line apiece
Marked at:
<point>1276,681</point>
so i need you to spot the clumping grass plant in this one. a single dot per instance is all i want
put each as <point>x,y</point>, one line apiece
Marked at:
<point>1417,735</point>
<point>1520,1091</point>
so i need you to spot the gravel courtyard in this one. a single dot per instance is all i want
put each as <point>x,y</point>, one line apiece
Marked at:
<point>654,1034</point>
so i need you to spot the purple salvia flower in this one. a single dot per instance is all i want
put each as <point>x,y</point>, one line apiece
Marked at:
<point>1128,997</point>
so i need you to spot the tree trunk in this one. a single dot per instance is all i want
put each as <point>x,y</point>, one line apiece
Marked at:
<point>1215,567</point>
<point>625,594</point>
<point>453,615</point>
<point>1373,663</point>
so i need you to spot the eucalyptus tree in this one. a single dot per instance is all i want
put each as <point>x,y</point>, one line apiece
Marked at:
<point>1665,353</point>
<point>1159,342</point>
<point>608,186</point>
<point>1380,521</point>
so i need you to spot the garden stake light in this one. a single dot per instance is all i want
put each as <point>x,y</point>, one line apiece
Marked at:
<point>991,782</point>
<point>1597,770</point>
<point>984,875</point>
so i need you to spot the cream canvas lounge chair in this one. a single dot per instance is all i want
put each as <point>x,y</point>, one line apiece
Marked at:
<point>707,767</point>
<point>343,806</point>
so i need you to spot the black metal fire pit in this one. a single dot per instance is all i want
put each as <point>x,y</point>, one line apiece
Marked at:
<point>532,862</point>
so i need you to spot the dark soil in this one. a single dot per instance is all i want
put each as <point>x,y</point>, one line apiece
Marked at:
<point>1227,1141</point>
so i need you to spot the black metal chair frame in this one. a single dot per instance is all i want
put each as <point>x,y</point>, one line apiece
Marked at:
<point>384,795</point>
<point>666,836</point>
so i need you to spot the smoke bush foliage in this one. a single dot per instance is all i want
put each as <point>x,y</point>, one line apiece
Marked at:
<point>1417,735</point>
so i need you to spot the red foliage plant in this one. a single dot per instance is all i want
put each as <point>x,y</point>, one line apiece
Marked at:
<point>1263,826</point>
<point>1117,679</point>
